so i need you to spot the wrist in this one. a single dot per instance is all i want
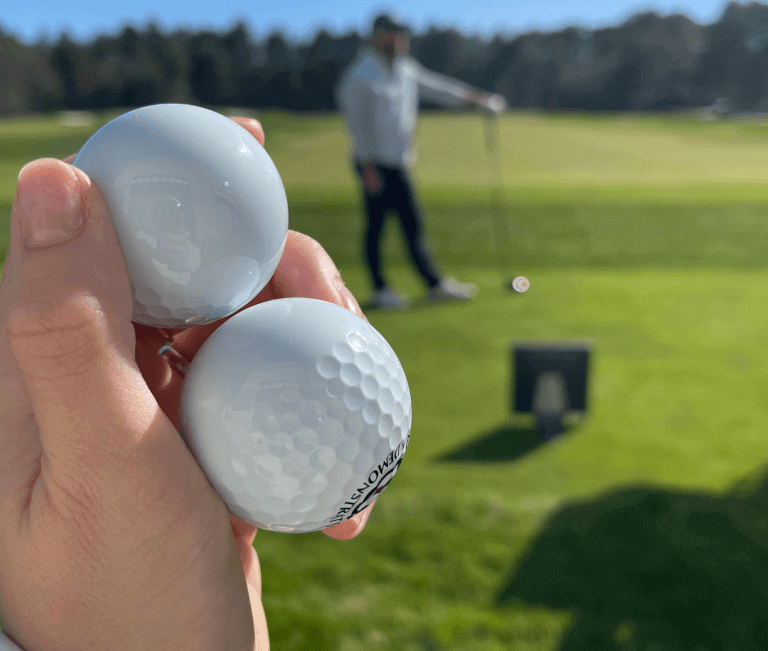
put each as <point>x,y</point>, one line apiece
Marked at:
<point>472,97</point>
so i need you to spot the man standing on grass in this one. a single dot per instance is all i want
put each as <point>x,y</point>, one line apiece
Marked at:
<point>379,97</point>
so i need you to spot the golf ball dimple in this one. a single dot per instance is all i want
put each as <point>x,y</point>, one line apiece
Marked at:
<point>298,412</point>
<point>198,207</point>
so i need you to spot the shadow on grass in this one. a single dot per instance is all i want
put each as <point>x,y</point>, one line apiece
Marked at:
<point>502,444</point>
<point>421,303</point>
<point>417,305</point>
<point>645,568</point>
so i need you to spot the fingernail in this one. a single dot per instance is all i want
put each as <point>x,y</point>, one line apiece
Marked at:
<point>50,203</point>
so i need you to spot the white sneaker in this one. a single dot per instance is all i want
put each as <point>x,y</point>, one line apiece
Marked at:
<point>386,299</point>
<point>450,289</point>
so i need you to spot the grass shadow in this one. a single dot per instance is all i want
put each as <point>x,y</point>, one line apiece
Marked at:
<point>417,305</point>
<point>420,304</point>
<point>647,568</point>
<point>501,444</point>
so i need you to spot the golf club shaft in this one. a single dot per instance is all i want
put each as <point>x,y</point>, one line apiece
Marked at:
<point>499,216</point>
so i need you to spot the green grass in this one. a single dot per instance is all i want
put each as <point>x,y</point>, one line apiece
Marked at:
<point>645,527</point>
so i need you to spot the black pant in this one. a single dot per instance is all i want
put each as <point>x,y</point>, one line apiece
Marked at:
<point>396,193</point>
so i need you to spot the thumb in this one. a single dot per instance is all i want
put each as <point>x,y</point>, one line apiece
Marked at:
<point>69,318</point>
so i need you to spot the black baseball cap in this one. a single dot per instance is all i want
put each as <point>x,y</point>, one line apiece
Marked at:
<point>385,23</point>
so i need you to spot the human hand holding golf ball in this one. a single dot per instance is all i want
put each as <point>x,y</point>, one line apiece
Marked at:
<point>93,473</point>
<point>201,215</point>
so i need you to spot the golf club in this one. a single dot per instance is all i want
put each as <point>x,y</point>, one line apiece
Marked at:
<point>499,217</point>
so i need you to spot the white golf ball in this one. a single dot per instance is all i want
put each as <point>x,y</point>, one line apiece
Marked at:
<point>198,206</point>
<point>299,413</point>
<point>521,284</point>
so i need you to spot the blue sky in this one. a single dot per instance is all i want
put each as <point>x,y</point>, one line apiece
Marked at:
<point>301,19</point>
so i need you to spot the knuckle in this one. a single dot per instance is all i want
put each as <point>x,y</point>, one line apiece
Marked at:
<point>58,332</point>
<point>309,242</point>
<point>74,504</point>
<point>312,251</point>
<point>76,515</point>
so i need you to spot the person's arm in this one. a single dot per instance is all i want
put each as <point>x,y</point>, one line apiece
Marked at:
<point>451,92</point>
<point>493,103</point>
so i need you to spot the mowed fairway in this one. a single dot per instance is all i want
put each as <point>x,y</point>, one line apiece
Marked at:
<point>646,526</point>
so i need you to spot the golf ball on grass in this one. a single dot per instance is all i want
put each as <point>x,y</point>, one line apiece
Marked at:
<point>521,284</point>
<point>299,413</point>
<point>198,206</point>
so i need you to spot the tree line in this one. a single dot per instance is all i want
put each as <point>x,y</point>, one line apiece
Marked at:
<point>648,63</point>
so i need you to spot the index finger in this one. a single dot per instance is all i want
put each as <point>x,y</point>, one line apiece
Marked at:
<point>305,270</point>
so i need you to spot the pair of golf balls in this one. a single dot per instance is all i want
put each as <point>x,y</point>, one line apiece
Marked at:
<point>297,410</point>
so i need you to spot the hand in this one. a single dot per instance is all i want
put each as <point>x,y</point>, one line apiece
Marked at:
<point>112,537</point>
<point>495,103</point>
<point>371,178</point>
<point>492,103</point>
